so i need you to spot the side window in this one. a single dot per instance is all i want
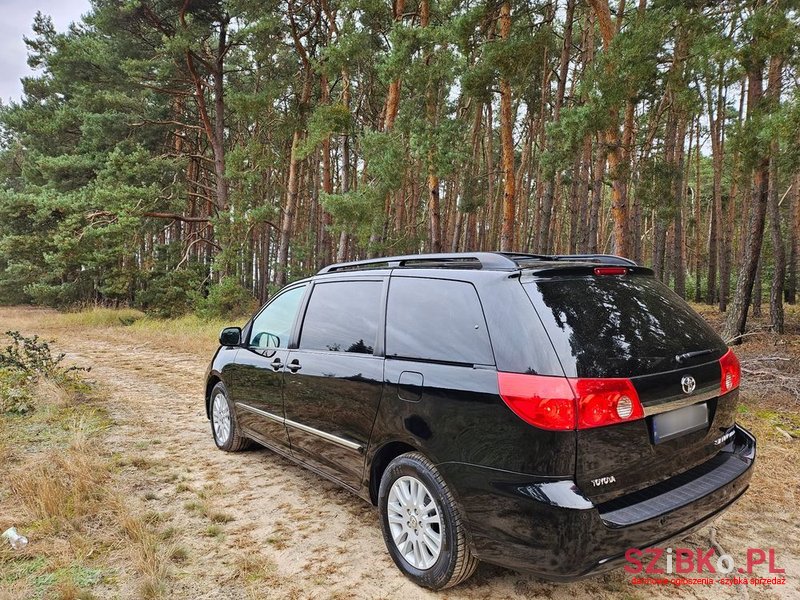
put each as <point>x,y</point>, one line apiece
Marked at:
<point>342,316</point>
<point>273,325</point>
<point>436,319</point>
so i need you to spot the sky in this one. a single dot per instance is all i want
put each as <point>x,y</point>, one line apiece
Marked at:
<point>16,18</point>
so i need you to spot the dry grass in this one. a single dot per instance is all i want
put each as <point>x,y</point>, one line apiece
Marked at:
<point>61,487</point>
<point>92,317</point>
<point>189,334</point>
<point>63,492</point>
<point>149,553</point>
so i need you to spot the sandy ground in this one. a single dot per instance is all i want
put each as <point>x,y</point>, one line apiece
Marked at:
<point>283,532</point>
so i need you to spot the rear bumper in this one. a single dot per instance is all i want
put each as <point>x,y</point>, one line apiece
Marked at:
<point>546,526</point>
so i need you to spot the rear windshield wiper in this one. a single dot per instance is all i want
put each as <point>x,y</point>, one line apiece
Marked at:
<point>688,355</point>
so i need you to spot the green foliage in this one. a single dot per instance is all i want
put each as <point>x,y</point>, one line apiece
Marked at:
<point>325,121</point>
<point>22,363</point>
<point>227,299</point>
<point>111,188</point>
<point>33,357</point>
<point>16,394</point>
<point>170,293</point>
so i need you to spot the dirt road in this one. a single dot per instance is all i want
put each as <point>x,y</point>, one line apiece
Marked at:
<point>255,525</point>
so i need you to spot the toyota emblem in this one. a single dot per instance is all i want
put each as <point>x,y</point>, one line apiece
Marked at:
<point>688,384</point>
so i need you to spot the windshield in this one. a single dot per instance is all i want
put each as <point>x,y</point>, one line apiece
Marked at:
<point>611,326</point>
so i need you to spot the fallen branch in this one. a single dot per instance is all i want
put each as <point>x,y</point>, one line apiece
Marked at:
<point>712,537</point>
<point>744,335</point>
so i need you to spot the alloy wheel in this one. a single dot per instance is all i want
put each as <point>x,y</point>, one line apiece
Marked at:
<point>222,418</point>
<point>414,522</point>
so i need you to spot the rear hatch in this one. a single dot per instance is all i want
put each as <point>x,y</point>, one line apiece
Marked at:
<point>623,324</point>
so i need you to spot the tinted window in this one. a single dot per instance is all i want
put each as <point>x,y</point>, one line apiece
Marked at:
<point>435,319</point>
<point>342,316</point>
<point>608,326</point>
<point>272,327</point>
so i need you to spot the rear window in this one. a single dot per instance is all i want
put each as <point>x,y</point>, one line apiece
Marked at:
<point>611,326</point>
<point>437,320</point>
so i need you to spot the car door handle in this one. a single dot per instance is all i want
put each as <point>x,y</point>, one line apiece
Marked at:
<point>294,366</point>
<point>277,364</point>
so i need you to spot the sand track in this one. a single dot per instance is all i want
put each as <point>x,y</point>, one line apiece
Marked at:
<point>279,531</point>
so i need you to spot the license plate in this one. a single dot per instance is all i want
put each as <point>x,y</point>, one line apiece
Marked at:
<point>675,423</point>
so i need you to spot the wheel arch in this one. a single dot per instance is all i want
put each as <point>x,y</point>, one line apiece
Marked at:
<point>383,456</point>
<point>213,380</point>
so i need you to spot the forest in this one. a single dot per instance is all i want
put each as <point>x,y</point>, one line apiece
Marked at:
<point>196,155</point>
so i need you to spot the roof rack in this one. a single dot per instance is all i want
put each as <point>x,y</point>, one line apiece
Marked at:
<point>498,261</point>
<point>465,260</point>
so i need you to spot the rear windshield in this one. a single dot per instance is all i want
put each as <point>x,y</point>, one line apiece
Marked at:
<point>611,326</point>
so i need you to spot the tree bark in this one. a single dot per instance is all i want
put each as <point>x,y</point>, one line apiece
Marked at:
<point>794,226</point>
<point>619,206</point>
<point>507,141</point>
<point>778,251</point>
<point>736,320</point>
<point>431,101</point>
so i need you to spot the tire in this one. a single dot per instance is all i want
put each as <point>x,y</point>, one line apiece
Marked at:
<point>227,435</point>
<point>454,562</point>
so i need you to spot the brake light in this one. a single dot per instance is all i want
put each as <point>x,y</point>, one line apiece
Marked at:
<point>562,404</point>
<point>731,372</point>
<point>610,270</point>
<point>546,402</point>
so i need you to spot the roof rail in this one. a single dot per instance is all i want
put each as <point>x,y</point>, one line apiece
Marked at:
<point>474,260</point>
<point>498,261</point>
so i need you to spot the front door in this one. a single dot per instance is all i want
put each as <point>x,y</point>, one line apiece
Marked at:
<point>333,380</point>
<point>258,387</point>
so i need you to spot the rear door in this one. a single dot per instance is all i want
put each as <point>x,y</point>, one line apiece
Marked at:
<point>632,326</point>
<point>334,379</point>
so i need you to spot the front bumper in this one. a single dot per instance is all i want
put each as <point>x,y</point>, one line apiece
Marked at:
<point>546,526</point>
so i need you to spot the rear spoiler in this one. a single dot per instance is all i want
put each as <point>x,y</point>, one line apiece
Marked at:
<point>583,269</point>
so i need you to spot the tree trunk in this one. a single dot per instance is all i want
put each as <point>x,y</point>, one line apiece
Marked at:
<point>737,315</point>
<point>678,252</point>
<point>778,251</point>
<point>431,101</point>
<point>794,225</point>
<point>598,173</point>
<point>507,141</point>
<point>619,206</point>
<point>716,122</point>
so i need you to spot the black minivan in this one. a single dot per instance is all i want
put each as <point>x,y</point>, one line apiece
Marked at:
<point>543,413</point>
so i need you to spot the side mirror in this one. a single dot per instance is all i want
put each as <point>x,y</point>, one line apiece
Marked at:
<point>230,336</point>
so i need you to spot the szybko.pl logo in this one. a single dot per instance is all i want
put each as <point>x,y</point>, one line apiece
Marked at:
<point>682,561</point>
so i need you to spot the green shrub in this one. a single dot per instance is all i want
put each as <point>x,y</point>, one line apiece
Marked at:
<point>33,357</point>
<point>22,363</point>
<point>171,293</point>
<point>16,395</point>
<point>226,299</point>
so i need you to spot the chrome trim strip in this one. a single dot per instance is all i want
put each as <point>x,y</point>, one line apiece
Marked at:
<point>334,439</point>
<point>676,402</point>
<point>260,413</point>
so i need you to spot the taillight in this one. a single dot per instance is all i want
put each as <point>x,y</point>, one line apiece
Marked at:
<point>610,271</point>
<point>546,402</point>
<point>561,404</point>
<point>731,372</point>
<point>606,401</point>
